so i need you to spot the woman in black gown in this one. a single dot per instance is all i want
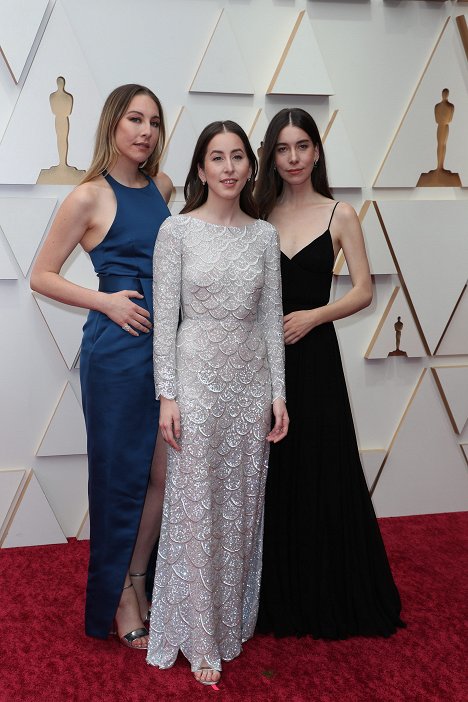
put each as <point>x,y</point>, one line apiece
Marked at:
<point>325,570</point>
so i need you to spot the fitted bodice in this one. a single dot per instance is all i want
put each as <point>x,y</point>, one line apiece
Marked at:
<point>307,276</point>
<point>127,248</point>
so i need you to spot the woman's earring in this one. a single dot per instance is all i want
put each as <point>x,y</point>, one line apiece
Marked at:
<point>316,163</point>
<point>203,182</point>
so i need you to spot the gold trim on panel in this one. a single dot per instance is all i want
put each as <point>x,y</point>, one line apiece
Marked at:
<point>254,123</point>
<point>11,514</point>
<point>206,50</point>
<point>450,319</point>
<point>402,281</point>
<point>463,29</point>
<point>52,417</point>
<point>400,423</point>
<point>383,319</point>
<point>464,453</point>
<point>444,396</point>
<point>83,522</point>
<point>163,155</point>
<point>285,52</point>
<point>329,126</point>
<point>410,102</point>
<point>8,66</point>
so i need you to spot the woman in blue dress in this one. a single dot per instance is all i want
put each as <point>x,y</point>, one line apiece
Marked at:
<point>115,215</point>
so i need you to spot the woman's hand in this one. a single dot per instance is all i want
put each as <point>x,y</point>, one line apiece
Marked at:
<point>169,422</point>
<point>280,429</point>
<point>120,308</point>
<point>298,324</point>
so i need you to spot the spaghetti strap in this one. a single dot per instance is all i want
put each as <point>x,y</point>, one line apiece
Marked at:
<point>333,212</point>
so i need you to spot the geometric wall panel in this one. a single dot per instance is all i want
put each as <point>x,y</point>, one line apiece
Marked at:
<point>455,338</point>
<point>64,321</point>
<point>342,166</point>
<point>83,532</point>
<point>384,341</point>
<point>33,522</point>
<point>179,149</point>
<point>301,69</point>
<point>378,254</point>
<point>453,385</point>
<point>64,482</point>
<point>429,239</point>
<point>425,471</point>
<point>222,68</point>
<point>371,460</point>
<point>19,23</point>
<point>66,433</point>
<point>414,149</point>
<point>24,221</point>
<point>25,151</point>
<point>11,482</point>
<point>7,268</point>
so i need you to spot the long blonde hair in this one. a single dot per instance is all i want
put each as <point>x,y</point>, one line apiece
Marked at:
<point>105,149</point>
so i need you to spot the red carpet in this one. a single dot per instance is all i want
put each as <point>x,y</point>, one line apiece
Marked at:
<point>45,657</point>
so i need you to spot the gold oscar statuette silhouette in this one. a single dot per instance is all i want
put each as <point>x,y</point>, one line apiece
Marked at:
<point>398,326</point>
<point>61,104</point>
<point>440,176</point>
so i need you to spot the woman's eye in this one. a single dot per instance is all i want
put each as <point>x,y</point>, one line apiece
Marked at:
<point>281,149</point>
<point>134,119</point>
<point>155,124</point>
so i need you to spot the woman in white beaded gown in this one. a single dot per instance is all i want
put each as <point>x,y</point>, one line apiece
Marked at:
<point>218,375</point>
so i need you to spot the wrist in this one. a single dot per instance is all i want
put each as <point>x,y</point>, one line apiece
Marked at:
<point>101,302</point>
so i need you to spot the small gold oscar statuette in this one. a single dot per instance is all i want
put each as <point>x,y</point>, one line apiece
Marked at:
<point>260,152</point>
<point>440,177</point>
<point>61,104</point>
<point>398,326</point>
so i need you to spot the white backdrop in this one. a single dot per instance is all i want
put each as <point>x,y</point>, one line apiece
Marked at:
<point>374,70</point>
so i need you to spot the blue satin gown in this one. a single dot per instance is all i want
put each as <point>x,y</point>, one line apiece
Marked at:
<point>119,405</point>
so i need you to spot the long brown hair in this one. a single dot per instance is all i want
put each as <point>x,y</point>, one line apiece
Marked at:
<point>269,185</point>
<point>105,149</point>
<point>195,192</point>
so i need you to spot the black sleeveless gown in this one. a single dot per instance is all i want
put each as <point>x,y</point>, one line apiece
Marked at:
<point>325,569</point>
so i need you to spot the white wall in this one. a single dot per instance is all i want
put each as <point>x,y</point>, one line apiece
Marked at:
<point>376,55</point>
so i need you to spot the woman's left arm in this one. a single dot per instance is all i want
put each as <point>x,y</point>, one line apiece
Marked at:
<point>270,317</point>
<point>348,232</point>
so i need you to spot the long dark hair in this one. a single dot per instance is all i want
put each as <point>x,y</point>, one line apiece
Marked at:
<point>269,185</point>
<point>195,192</point>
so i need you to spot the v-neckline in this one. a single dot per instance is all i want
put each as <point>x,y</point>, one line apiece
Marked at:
<point>327,231</point>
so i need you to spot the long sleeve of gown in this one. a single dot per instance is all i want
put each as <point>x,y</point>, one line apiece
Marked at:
<point>166,298</point>
<point>270,317</point>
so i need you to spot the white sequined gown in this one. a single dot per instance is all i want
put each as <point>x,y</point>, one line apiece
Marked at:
<point>224,364</point>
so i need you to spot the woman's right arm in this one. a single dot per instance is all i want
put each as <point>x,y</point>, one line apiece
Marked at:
<point>167,279</point>
<point>74,218</point>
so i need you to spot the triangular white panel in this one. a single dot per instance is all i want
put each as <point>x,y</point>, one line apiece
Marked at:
<point>342,167</point>
<point>179,149</point>
<point>34,522</point>
<point>378,253</point>
<point>24,221</point>
<point>430,241</point>
<point>414,149</point>
<point>19,23</point>
<point>7,269</point>
<point>24,151</point>
<point>10,484</point>
<point>384,340</point>
<point>425,471</point>
<point>64,482</point>
<point>66,433</point>
<point>257,130</point>
<point>371,460</point>
<point>222,68</point>
<point>65,322</point>
<point>301,70</point>
<point>454,382</point>
<point>83,531</point>
<point>455,338</point>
